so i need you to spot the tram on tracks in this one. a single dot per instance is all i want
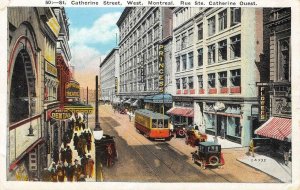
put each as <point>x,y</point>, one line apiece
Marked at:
<point>152,125</point>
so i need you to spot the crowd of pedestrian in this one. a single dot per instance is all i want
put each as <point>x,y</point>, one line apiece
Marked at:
<point>65,168</point>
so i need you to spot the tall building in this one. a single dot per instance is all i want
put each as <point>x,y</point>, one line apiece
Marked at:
<point>275,93</point>
<point>215,51</point>
<point>142,30</point>
<point>109,74</point>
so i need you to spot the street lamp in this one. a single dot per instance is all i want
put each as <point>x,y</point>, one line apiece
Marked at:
<point>98,134</point>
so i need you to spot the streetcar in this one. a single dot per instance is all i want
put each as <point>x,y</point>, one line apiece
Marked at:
<point>152,125</point>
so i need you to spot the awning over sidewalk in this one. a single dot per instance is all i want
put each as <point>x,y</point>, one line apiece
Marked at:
<point>159,99</point>
<point>78,107</point>
<point>186,112</point>
<point>276,128</point>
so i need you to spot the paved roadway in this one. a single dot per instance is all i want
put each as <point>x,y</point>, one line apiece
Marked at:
<point>142,160</point>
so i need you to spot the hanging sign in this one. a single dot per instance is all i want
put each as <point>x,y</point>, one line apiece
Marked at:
<point>161,68</point>
<point>61,114</point>
<point>262,104</point>
<point>72,89</point>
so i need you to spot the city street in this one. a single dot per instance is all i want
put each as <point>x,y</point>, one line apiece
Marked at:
<point>140,159</point>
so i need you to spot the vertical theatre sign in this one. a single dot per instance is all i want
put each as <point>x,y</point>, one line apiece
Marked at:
<point>72,89</point>
<point>116,85</point>
<point>262,103</point>
<point>142,70</point>
<point>161,68</point>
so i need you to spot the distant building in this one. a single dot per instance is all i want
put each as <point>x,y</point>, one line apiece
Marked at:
<point>214,56</point>
<point>109,74</point>
<point>142,30</point>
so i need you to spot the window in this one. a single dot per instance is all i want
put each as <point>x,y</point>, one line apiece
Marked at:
<point>211,80</point>
<point>222,51</point>
<point>184,83</point>
<point>191,36</point>
<point>223,20</point>
<point>183,41</point>
<point>200,81</point>
<point>223,79</point>
<point>177,84</point>
<point>178,43</point>
<point>235,47</point>
<point>200,57</point>
<point>191,83</point>
<point>211,54</point>
<point>235,77</point>
<point>149,37</point>
<point>177,64</point>
<point>200,31</point>
<point>284,60</point>
<point>211,26</point>
<point>183,62</point>
<point>191,60</point>
<point>235,15</point>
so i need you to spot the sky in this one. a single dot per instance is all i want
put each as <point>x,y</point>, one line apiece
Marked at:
<point>92,36</point>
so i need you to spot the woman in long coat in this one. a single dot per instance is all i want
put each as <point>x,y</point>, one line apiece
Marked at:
<point>90,168</point>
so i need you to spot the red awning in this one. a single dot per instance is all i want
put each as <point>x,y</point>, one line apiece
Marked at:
<point>276,128</point>
<point>186,112</point>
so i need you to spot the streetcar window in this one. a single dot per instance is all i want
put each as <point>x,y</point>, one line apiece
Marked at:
<point>154,123</point>
<point>160,123</point>
<point>166,123</point>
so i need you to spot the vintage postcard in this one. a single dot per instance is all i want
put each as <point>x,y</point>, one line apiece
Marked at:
<point>150,94</point>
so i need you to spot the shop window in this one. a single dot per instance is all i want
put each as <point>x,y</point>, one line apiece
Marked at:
<point>235,77</point>
<point>183,57</point>
<point>200,31</point>
<point>212,80</point>
<point>223,20</point>
<point>211,54</point>
<point>191,60</point>
<point>191,82</point>
<point>177,64</point>
<point>235,15</point>
<point>235,47</point>
<point>211,26</point>
<point>222,51</point>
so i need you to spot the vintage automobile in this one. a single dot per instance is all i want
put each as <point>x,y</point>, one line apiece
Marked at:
<point>179,130</point>
<point>208,154</point>
<point>193,137</point>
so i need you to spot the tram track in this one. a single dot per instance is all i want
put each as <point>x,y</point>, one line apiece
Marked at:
<point>175,160</point>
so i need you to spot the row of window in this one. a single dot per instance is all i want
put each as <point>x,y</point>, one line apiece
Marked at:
<point>126,73</point>
<point>188,82</point>
<point>215,53</point>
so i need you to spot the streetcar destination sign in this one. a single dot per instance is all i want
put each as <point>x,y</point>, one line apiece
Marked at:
<point>61,114</point>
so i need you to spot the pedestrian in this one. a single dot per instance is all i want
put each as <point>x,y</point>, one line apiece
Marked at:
<point>83,144</point>
<point>69,172</point>
<point>79,146</point>
<point>75,140</point>
<point>53,172</point>
<point>83,125</point>
<point>60,172</point>
<point>251,148</point>
<point>90,167</point>
<point>286,154</point>
<point>77,170</point>
<point>89,145</point>
<point>222,131</point>
<point>63,154</point>
<point>68,155</point>
<point>65,139</point>
<point>129,115</point>
<point>83,163</point>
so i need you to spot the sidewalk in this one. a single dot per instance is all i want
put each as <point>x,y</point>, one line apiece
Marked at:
<point>224,142</point>
<point>269,166</point>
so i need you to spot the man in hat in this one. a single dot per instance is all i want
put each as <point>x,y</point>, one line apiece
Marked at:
<point>53,172</point>
<point>77,170</point>
<point>75,140</point>
<point>83,162</point>
<point>69,171</point>
<point>63,154</point>
<point>68,154</point>
<point>90,166</point>
<point>60,172</point>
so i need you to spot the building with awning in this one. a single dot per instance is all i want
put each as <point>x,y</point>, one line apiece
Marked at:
<point>78,107</point>
<point>159,99</point>
<point>185,112</point>
<point>276,128</point>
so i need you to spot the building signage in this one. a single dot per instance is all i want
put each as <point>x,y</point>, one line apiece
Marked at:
<point>116,85</point>
<point>161,69</point>
<point>61,114</point>
<point>72,89</point>
<point>54,26</point>
<point>50,69</point>
<point>262,104</point>
<point>142,70</point>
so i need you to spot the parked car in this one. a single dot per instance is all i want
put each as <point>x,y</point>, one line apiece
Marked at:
<point>208,154</point>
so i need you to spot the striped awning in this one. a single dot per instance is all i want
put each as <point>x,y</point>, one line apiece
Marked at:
<point>186,112</point>
<point>276,128</point>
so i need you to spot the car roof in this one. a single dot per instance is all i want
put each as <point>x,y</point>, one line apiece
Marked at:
<point>208,143</point>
